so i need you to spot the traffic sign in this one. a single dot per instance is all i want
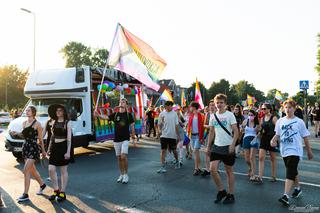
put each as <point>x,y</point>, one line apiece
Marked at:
<point>304,84</point>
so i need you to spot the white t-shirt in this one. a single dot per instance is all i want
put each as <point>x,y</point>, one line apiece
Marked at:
<point>222,138</point>
<point>168,121</point>
<point>291,132</point>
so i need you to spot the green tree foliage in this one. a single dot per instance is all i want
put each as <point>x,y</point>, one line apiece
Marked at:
<point>77,55</point>
<point>99,57</point>
<point>12,83</point>
<point>242,88</point>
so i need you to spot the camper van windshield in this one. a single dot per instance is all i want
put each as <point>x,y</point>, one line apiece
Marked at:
<point>72,105</point>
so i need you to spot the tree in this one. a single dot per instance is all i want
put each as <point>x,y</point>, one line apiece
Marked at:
<point>12,83</point>
<point>242,88</point>
<point>223,86</point>
<point>99,57</point>
<point>272,93</point>
<point>76,54</point>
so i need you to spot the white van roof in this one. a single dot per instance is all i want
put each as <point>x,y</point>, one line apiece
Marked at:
<point>54,81</point>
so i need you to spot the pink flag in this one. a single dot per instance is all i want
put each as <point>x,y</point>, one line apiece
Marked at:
<point>198,97</point>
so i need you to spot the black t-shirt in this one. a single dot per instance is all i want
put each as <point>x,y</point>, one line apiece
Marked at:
<point>122,123</point>
<point>150,115</point>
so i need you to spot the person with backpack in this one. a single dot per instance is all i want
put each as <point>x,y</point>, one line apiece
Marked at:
<point>123,120</point>
<point>224,131</point>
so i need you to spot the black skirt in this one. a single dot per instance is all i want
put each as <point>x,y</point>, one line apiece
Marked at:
<point>58,150</point>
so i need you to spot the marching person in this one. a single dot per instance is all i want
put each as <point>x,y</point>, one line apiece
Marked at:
<point>59,152</point>
<point>223,136</point>
<point>169,134</point>
<point>290,131</point>
<point>123,121</point>
<point>195,130</point>
<point>33,145</point>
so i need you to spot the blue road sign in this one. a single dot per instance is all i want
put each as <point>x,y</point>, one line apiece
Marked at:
<point>304,84</point>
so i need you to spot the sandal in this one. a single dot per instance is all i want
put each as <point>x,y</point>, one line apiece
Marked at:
<point>258,180</point>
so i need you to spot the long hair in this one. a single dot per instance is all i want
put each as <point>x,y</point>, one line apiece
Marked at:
<point>256,119</point>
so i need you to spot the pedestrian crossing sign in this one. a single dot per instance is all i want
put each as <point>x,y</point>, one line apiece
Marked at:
<point>304,84</point>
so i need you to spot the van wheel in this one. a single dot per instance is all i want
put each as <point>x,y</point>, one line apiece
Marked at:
<point>17,154</point>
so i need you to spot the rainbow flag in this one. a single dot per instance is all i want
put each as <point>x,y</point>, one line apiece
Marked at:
<point>166,95</point>
<point>250,100</point>
<point>278,96</point>
<point>183,98</point>
<point>198,97</point>
<point>131,55</point>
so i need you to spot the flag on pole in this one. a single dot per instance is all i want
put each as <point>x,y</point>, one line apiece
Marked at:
<point>250,100</point>
<point>278,96</point>
<point>131,55</point>
<point>166,95</point>
<point>183,98</point>
<point>198,97</point>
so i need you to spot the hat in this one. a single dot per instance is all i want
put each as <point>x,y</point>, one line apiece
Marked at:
<point>245,109</point>
<point>52,109</point>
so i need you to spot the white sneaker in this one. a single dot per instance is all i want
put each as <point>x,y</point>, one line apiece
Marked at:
<point>120,179</point>
<point>125,178</point>
<point>162,170</point>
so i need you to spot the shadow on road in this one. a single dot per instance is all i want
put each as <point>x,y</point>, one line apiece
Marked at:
<point>9,204</point>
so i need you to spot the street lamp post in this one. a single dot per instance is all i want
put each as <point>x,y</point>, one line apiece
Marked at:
<point>34,36</point>
<point>6,94</point>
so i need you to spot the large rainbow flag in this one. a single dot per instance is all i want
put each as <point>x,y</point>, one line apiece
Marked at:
<point>166,95</point>
<point>183,98</point>
<point>198,97</point>
<point>131,55</point>
<point>278,96</point>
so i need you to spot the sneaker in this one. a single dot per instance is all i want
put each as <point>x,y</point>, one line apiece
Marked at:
<point>296,193</point>
<point>197,172</point>
<point>125,179</point>
<point>284,200</point>
<point>49,179</point>
<point>180,163</point>
<point>53,196</point>
<point>229,199</point>
<point>220,196</point>
<point>61,197</point>
<point>205,173</point>
<point>24,197</point>
<point>162,170</point>
<point>120,178</point>
<point>40,192</point>
<point>177,165</point>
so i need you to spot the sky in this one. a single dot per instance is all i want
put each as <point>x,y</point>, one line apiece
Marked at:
<point>269,43</point>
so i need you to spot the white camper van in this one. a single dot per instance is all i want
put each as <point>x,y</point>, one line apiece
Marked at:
<point>71,87</point>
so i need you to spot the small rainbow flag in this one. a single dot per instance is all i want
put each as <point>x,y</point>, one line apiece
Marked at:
<point>166,95</point>
<point>198,97</point>
<point>183,98</point>
<point>278,96</point>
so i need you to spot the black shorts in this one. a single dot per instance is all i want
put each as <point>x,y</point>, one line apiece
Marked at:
<point>228,160</point>
<point>291,163</point>
<point>265,143</point>
<point>168,142</point>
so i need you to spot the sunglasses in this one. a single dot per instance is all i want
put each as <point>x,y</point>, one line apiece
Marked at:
<point>263,108</point>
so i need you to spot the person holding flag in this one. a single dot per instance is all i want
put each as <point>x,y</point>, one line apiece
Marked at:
<point>195,130</point>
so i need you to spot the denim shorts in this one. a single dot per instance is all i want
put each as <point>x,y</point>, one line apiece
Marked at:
<point>247,143</point>
<point>195,142</point>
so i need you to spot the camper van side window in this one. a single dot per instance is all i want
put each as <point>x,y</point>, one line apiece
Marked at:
<point>79,75</point>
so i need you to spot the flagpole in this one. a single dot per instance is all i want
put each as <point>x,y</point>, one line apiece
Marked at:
<point>157,100</point>
<point>99,92</point>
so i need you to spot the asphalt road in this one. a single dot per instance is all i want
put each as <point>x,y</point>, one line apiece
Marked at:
<point>93,188</point>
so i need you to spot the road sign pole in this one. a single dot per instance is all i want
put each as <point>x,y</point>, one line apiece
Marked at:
<point>305,116</point>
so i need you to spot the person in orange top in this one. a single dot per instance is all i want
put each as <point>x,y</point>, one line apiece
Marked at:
<point>195,132</point>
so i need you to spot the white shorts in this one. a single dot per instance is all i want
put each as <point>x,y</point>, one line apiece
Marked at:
<point>121,147</point>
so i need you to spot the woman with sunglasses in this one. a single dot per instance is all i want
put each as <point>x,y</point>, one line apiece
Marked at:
<point>267,123</point>
<point>59,153</point>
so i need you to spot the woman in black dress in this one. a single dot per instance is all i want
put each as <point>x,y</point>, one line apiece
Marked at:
<point>316,118</point>
<point>267,123</point>
<point>32,133</point>
<point>59,152</point>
